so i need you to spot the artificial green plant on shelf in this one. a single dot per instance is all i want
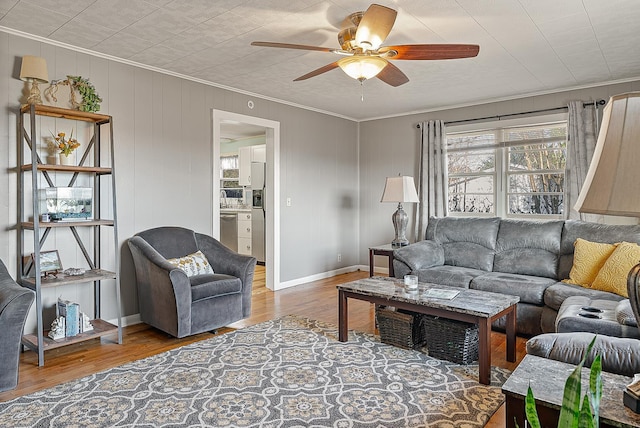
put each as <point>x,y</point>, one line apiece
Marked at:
<point>573,412</point>
<point>90,98</point>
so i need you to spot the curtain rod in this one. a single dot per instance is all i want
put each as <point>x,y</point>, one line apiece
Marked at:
<point>592,103</point>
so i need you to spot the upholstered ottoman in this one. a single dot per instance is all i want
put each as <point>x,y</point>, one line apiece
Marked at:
<point>607,317</point>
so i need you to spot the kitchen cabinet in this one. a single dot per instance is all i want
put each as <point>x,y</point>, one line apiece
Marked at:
<point>246,155</point>
<point>96,166</point>
<point>244,233</point>
<point>259,153</point>
<point>244,163</point>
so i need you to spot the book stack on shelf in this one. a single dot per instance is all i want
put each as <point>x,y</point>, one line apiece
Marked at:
<point>69,321</point>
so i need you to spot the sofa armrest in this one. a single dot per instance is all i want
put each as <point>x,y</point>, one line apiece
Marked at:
<point>224,260</point>
<point>421,255</point>
<point>624,314</point>
<point>619,355</point>
<point>164,291</point>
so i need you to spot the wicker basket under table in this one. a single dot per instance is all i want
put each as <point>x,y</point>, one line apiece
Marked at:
<point>442,338</point>
<point>451,340</point>
<point>401,329</point>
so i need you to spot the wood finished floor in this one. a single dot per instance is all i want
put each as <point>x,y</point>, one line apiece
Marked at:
<point>316,300</point>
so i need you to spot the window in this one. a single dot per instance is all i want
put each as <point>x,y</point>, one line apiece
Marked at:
<point>508,172</point>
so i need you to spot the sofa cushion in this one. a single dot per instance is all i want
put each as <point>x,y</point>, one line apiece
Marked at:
<point>588,259</point>
<point>210,286</point>
<point>467,242</point>
<point>570,319</point>
<point>557,293</point>
<point>421,255</point>
<point>530,289</point>
<point>613,275</point>
<point>618,355</point>
<point>595,232</point>
<point>448,275</point>
<point>528,247</point>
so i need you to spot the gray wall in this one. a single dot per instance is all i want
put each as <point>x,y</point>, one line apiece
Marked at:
<point>163,159</point>
<point>391,146</point>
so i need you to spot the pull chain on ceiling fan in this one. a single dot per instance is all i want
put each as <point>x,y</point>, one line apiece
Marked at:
<point>361,37</point>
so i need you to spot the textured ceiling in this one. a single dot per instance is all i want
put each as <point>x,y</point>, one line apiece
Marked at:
<point>526,46</point>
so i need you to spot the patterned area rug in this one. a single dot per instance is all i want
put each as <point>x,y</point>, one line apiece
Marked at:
<point>289,372</point>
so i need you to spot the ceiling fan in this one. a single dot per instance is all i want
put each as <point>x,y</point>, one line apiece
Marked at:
<point>361,36</point>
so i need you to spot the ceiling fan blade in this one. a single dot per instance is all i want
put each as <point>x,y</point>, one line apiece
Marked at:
<point>292,46</point>
<point>392,75</point>
<point>418,52</point>
<point>320,70</point>
<point>375,26</point>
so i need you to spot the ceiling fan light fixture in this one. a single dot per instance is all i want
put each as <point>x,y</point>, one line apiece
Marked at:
<point>362,67</point>
<point>367,40</point>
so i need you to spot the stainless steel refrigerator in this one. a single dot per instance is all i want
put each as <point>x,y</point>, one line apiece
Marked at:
<point>258,196</point>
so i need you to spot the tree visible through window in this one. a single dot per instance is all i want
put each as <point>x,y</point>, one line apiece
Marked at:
<point>516,171</point>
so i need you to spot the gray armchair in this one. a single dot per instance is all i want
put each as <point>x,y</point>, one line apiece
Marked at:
<point>15,302</point>
<point>180,305</point>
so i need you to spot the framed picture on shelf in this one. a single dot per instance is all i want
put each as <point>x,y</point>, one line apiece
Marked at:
<point>50,263</point>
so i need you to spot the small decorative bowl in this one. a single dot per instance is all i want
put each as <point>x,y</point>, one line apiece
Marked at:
<point>74,271</point>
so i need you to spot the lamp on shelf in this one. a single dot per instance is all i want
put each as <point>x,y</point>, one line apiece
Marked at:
<point>611,185</point>
<point>400,189</point>
<point>34,70</point>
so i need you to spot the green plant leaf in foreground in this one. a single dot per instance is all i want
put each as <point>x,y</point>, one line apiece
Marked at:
<point>571,414</point>
<point>530,409</point>
<point>595,389</point>
<point>586,417</point>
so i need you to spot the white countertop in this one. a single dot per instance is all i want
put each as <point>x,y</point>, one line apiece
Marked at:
<point>235,210</point>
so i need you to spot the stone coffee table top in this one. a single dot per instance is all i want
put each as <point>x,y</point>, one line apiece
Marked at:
<point>472,302</point>
<point>547,378</point>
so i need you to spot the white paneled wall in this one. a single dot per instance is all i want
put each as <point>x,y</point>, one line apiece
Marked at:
<point>162,129</point>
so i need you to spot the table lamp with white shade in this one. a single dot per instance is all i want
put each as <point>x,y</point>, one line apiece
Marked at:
<point>400,189</point>
<point>34,70</point>
<point>612,182</point>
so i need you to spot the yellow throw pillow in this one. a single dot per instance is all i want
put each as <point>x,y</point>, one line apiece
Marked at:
<point>588,259</point>
<point>613,275</point>
<point>193,264</point>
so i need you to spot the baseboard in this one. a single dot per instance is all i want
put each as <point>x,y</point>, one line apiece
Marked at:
<point>319,276</point>
<point>127,321</point>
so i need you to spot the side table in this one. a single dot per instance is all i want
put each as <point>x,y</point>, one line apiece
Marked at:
<point>547,378</point>
<point>381,250</point>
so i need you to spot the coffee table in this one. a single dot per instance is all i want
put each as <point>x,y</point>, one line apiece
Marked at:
<point>472,306</point>
<point>547,378</point>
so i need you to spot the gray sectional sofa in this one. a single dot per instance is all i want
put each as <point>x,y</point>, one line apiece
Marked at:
<point>523,258</point>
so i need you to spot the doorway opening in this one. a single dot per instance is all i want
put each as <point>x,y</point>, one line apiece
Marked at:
<point>249,193</point>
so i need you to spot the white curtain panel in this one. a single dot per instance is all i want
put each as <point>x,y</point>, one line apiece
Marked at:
<point>433,177</point>
<point>582,129</point>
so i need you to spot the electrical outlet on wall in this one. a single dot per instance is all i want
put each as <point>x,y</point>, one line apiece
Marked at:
<point>339,257</point>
